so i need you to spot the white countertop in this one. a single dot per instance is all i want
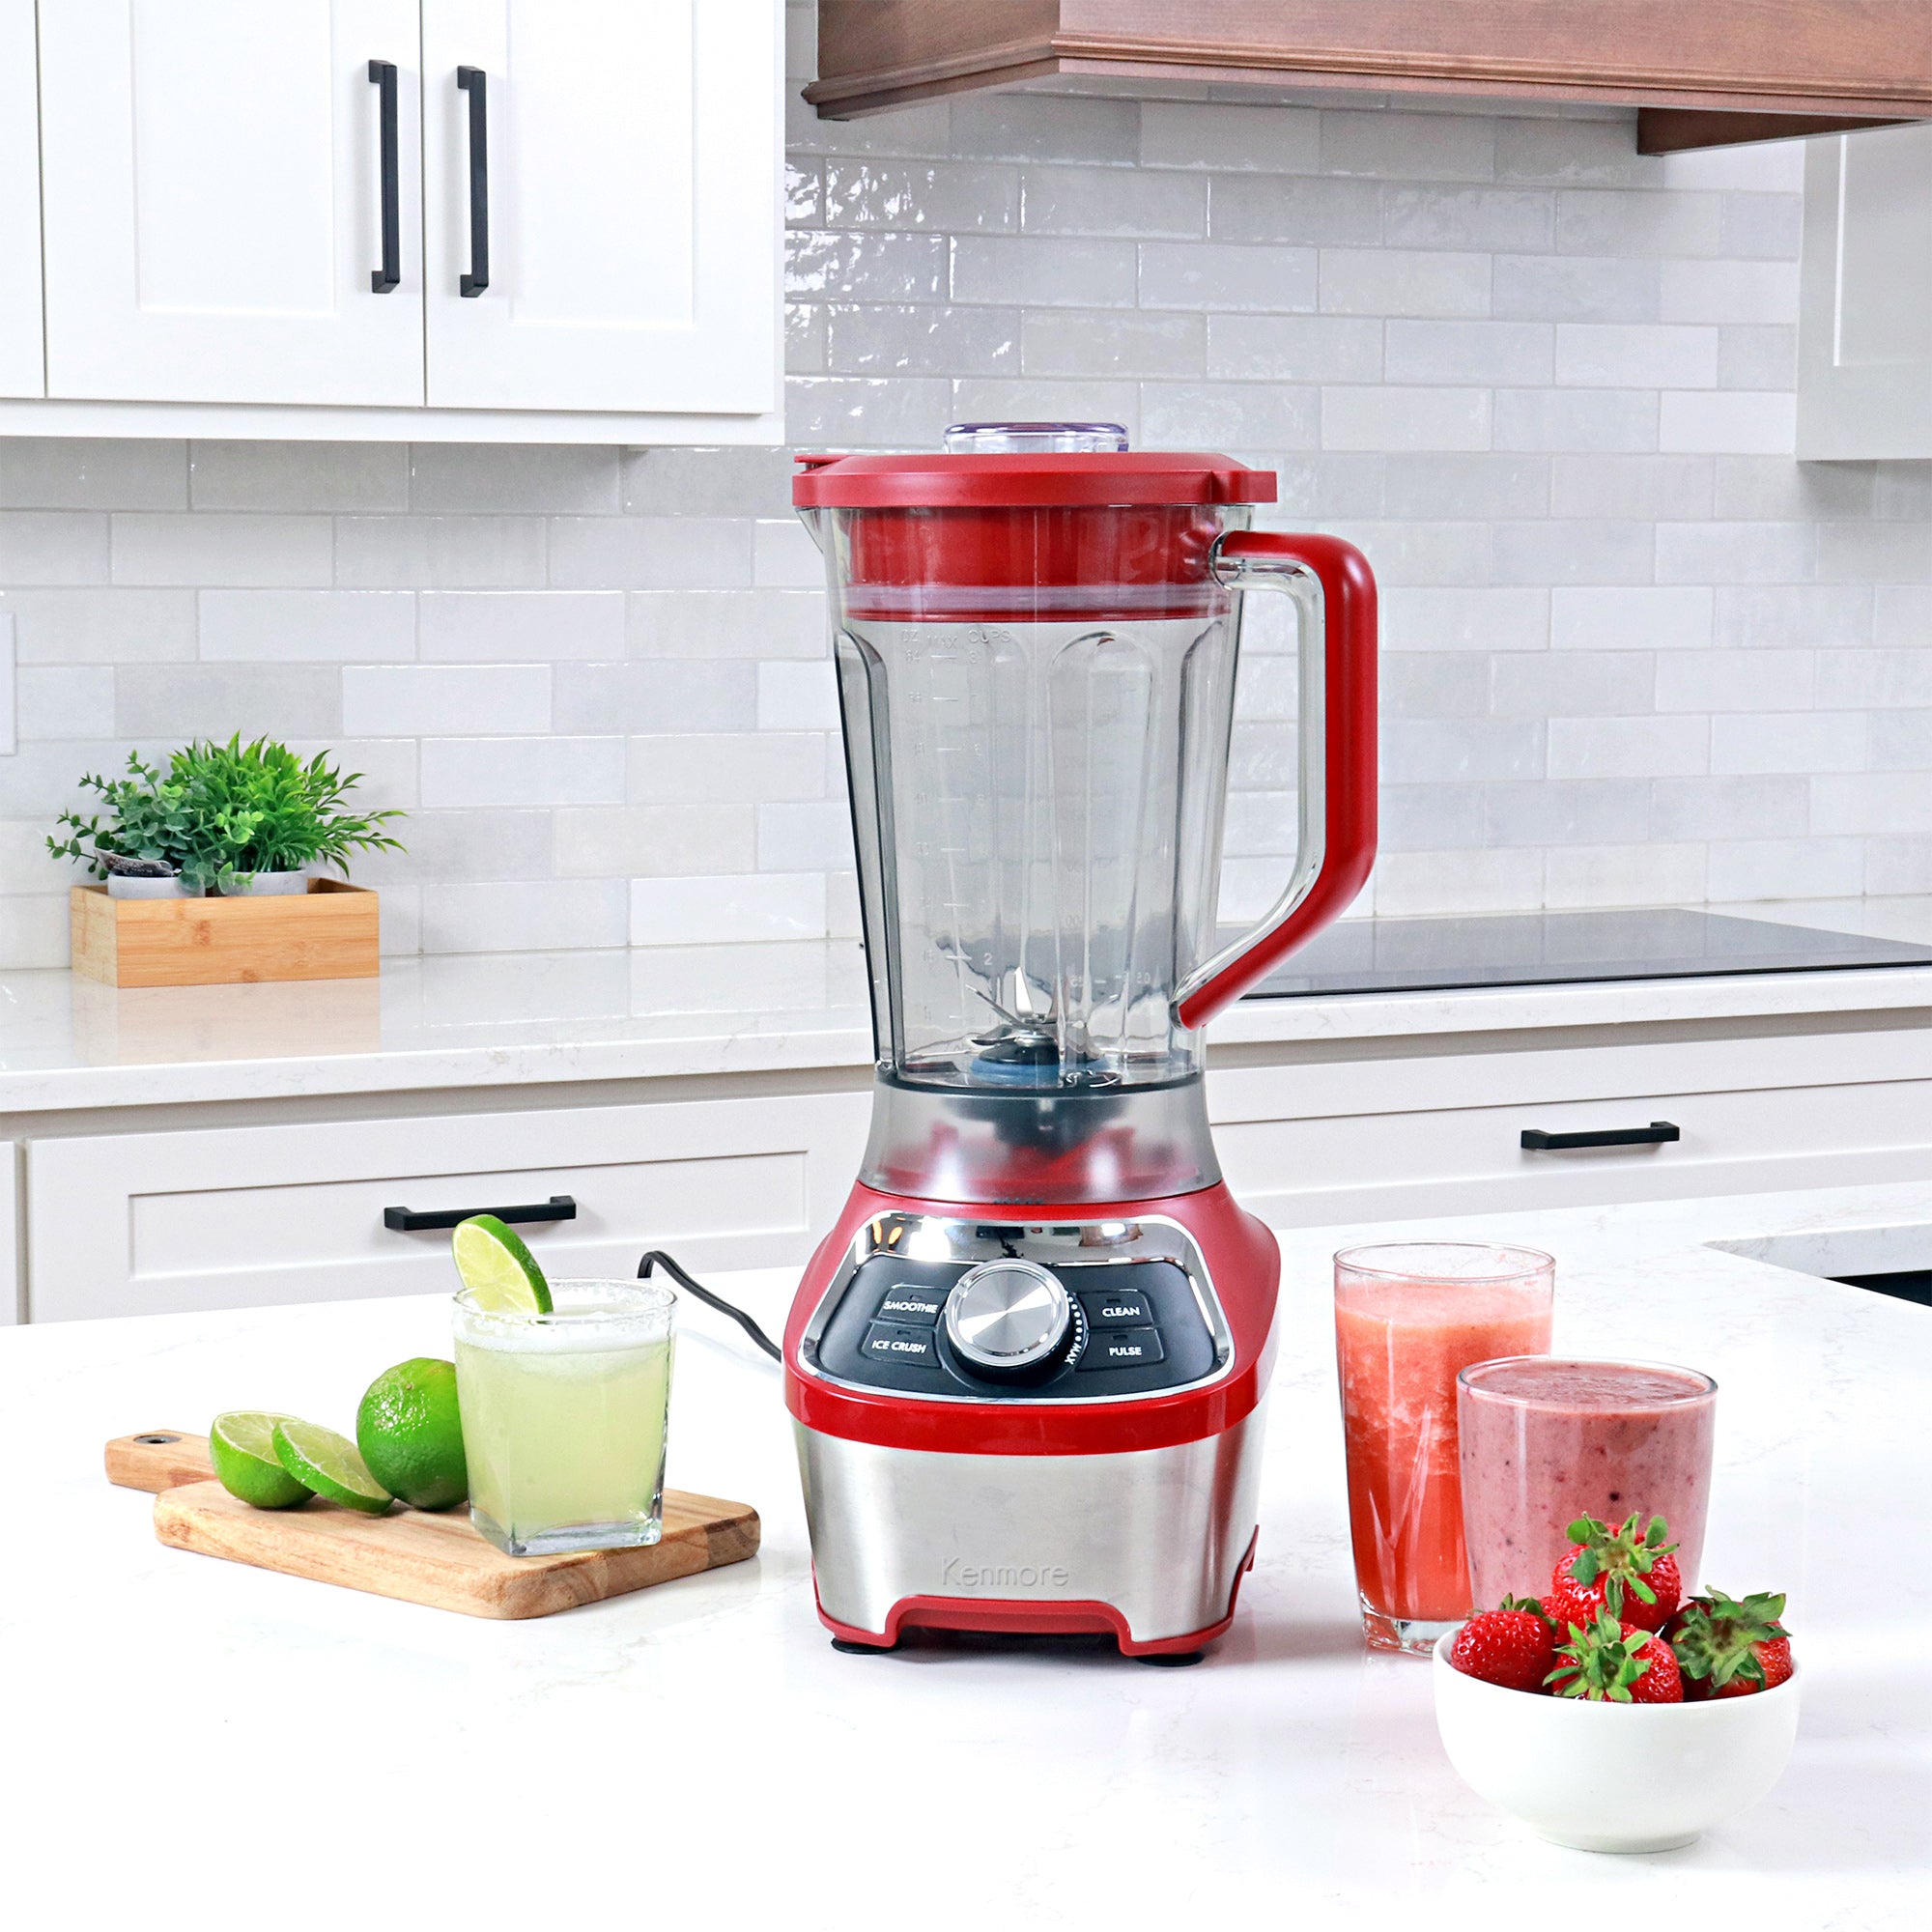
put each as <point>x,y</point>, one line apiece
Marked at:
<point>186,1738</point>
<point>528,1018</point>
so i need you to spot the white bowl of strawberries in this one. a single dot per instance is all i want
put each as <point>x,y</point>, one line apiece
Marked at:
<point>1612,1715</point>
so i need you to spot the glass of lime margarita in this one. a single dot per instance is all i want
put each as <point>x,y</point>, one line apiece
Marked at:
<point>563,1415</point>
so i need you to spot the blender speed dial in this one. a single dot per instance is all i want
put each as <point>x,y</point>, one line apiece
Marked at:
<point>1009,1318</point>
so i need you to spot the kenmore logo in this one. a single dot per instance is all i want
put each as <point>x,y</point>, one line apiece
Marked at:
<point>1004,1575</point>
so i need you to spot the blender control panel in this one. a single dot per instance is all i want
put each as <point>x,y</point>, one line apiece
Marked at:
<point>1125,1327</point>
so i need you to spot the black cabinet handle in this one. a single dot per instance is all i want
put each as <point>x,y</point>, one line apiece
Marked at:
<point>1536,1141</point>
<point>384,280</point>
<point>475,82</point>
<point>558,1208</point>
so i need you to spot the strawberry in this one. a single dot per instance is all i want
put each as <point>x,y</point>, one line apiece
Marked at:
<point>1630,1572</point>
<point>1612,1661</point>
<point>1731,1648</point>
<point>1514,1645</point>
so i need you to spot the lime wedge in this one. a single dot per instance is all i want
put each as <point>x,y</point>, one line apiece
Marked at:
<point>500,1272</point>
<point>322,1460</point>
<point>241,1446</point>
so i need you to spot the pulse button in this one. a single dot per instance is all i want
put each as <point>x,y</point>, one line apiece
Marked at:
<point>894,1342</point>
<point>1122,1349</point>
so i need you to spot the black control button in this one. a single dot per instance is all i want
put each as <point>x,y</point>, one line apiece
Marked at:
<point>893,1342</point>
<point>1130,1309</point>
<point>908,1301</point>
<point>1123,1348</point>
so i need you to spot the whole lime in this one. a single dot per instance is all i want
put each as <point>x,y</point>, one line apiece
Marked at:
<point>410,1436</point>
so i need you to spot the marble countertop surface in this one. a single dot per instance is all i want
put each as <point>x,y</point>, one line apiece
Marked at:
<point>528,1018</point>
<point>700,1753</point>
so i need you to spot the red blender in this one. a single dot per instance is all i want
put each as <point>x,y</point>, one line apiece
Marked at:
<point>1026,1367</point>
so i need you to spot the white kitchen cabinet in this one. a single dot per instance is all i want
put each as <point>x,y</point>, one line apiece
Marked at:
<point>226,1217</point>
<point>1440,1133</point>
<point>213,204</point>
<point>629,186</point>
<point>22,372</point>
<point>10,1309</point>
<point>226,254</point>
<point>1865,386</point>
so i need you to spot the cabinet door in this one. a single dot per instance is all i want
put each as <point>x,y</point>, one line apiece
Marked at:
<point>238,1217</point>
<point>10,1236</point>
<point>213,200</point>
<point>1864,385</point>
<point>630,149</point>
<point>21,369</point>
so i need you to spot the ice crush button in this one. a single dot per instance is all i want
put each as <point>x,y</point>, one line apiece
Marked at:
<point>1123,1348</point>
<point>907,1301</point>
<point>1117,1311</point>
<point>893,1342</point>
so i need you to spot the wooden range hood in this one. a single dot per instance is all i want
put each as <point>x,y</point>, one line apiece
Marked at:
<point>1701,72</point>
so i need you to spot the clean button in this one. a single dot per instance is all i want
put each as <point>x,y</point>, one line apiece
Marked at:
<point>1125,1310</point>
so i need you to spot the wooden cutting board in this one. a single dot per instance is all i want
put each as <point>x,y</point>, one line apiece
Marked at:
<point>422,1559</point>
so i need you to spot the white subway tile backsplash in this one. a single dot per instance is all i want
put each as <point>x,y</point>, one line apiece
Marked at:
<point>1405,418</point>
<point>293,477</point>
<point>90,626</point>
<point>1404,282</point>
<point>1469,351</point>
<point>1629,748</point>
<point>1750,421</point>
<point>1208,275</point>
<point>1293,349</point>
<point>648,553</point>
<point>308,626</point>
<point>424,700</point>
<point>58,473</point>
<point>438,552</point>
<point>1629,616</point>
<point>1311,210</point>
<point>522,771</point>
<point>1788,741</point>
<point>728,907</point>
<point>1633,653</point>
<point>797,698</point>
<point>52,547</point>
<point>1232,138</point>
<point>485,626</point>
<point>674,839</point>
<point>1112,201</point>
<point>1636,356</point>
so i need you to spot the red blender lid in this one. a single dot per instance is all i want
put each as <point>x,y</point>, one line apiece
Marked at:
<point>1028,465</point>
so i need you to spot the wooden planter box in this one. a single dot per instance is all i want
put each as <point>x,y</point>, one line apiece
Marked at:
<point>332,932</point>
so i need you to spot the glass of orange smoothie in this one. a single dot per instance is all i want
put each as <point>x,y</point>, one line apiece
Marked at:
<point>1409,1316</point>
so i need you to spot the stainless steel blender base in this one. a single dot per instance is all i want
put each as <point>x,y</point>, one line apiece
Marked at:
<point>1159,1534</point>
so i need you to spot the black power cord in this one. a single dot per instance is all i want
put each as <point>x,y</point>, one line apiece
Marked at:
<point>657,1258</point>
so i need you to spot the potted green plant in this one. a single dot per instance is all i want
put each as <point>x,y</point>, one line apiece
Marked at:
<point>226,818</point>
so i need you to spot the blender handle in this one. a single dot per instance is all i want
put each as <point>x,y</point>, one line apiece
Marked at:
<point>1333,584</point>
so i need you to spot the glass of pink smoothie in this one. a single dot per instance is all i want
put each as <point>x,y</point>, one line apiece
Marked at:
<point>1407,1317</point>
<point>1546,1439</point>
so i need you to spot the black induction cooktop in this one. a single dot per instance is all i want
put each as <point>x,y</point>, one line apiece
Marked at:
<point>1382,955</point>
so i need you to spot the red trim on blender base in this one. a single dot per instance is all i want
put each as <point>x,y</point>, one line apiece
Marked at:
<point>1019,1617</point>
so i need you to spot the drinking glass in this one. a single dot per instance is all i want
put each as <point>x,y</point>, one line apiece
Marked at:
<point>563,1416</point>
<point>1545,1439</point>
<point>1408,1316</point>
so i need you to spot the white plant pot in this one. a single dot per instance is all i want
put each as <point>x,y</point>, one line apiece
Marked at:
<point>271,884</point>
<point>126,886</point>
<point>1613,1777</point>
